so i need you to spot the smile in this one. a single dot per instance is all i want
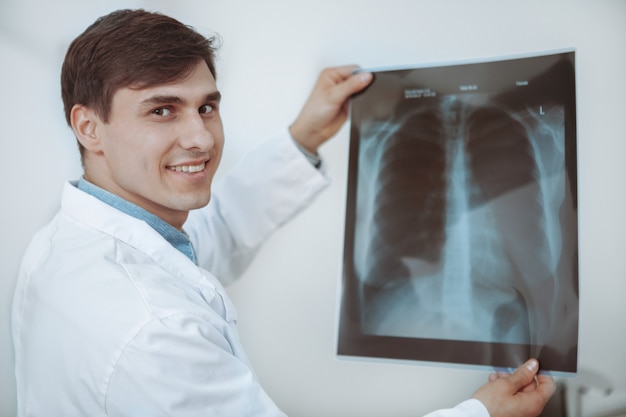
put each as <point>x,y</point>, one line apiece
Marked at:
<point>187,168</point>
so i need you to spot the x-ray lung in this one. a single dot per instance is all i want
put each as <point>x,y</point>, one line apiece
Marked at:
<point>461,242</point>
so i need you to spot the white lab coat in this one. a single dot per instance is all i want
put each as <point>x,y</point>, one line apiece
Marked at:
<point>109,319</point>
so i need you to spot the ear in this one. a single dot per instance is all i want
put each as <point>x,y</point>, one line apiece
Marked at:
<point>86,123</point>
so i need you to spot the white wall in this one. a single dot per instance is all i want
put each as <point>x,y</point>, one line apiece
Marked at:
<point>271,54</point>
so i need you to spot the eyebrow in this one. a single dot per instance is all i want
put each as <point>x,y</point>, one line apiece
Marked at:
<point>165,99</point>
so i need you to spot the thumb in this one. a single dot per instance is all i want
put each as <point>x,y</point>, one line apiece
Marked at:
<point>352,85</point>
<point>524,375</point>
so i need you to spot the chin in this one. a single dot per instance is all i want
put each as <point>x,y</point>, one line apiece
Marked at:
<point>188,200</point>
<point>199,203</point>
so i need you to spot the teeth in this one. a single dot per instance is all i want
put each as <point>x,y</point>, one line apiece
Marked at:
<point>187,168</point>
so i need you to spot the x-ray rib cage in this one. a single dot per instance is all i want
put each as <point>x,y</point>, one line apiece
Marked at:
<point>461,226</point>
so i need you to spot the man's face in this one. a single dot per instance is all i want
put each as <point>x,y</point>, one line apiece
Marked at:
<point>162,145</point>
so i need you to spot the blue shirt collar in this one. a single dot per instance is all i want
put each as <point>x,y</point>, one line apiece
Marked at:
<point>177,238</point>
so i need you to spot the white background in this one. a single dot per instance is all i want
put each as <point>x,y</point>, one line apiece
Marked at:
<point>271,54</point>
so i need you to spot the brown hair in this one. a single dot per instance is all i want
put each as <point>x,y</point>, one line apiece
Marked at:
<point>129,48</point>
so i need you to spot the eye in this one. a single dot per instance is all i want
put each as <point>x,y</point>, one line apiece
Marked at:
<point>162,111</point>
<point>205,109</point>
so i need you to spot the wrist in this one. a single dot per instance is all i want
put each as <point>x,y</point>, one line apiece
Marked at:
<point>303,138</point>
<point>312,157</point>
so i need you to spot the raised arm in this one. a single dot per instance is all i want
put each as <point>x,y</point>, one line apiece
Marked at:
<point>273,182</point>
<point>326,109</point>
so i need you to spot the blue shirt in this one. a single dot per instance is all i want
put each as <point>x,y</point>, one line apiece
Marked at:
<point>177,238</point>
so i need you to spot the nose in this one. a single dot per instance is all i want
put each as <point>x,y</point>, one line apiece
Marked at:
<point>197,134</point>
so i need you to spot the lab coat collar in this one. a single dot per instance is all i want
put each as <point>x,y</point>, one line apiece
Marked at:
<point>136,233</point>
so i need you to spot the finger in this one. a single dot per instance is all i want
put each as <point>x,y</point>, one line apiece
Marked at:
<point>524,375</point>
<point>542,377</point>
<point>352,85</point>
<point>545,381</point>
<point>545,386</point>
<point>532,386</point>
<point>498,375</point>
<point>343,71</point>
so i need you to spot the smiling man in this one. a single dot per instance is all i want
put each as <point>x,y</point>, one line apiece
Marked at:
<point>170,170</point>
<point>119,309</point>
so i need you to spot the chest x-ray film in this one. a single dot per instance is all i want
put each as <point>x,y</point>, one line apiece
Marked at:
<point>461,238</point>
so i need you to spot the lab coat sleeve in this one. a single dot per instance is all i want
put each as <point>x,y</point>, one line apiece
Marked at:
<point>268,187</point>
<point>469,408</point>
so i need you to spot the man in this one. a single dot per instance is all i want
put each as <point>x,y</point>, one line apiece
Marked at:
<point>118,311</point>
